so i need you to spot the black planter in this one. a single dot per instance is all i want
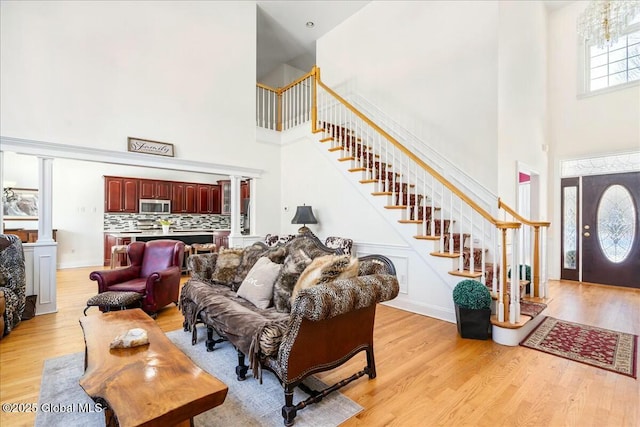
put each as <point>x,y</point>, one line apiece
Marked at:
<point>473,323</point>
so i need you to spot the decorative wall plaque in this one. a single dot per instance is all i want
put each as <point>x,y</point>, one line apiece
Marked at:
<point>145,146</point>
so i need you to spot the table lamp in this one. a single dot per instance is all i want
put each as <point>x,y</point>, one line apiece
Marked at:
<point>304,216</point>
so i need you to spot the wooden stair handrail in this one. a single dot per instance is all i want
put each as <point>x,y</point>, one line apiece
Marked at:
<point>535,272</point>
<point>516,215</point>
<point>279,90</point>
<point>408,153</point>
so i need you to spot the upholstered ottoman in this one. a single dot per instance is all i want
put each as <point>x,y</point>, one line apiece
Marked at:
<point>114,300</point>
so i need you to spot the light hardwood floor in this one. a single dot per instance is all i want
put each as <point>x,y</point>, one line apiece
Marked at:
<point>427,375</point>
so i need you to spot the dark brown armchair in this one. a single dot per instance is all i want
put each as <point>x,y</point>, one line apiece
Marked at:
<point>154,272</point>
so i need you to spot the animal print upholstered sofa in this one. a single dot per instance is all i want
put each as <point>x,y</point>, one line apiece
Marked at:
<point>13,282</point>
<point>319,314</point>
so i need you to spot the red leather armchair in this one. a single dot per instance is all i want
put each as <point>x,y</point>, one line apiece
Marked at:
<point>154,272</point>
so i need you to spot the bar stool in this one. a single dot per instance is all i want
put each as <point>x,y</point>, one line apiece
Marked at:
<point>116,251</point>
<point>187,252</point>
<point>203,247</point>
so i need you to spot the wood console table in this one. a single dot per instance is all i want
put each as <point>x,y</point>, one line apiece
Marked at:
<point>151,385</point>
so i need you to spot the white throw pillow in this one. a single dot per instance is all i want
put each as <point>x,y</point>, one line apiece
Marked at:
<point>257,287</point>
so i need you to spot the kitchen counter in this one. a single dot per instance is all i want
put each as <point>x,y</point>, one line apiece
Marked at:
<point>135,234</point>
<point>189,237</point>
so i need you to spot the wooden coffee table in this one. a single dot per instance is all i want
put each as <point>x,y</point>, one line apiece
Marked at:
<point>151,385</point>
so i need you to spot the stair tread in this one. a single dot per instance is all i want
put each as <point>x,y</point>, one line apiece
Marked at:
<point>357,169</point>
<point>524,319</point>
<point>466,273</point>
<point>446,254</point>
<point>410,221</point>
<point>423,237</point>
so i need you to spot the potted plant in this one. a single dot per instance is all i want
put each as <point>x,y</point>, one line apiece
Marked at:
<point>165,223</point>
<point>524,273</point>
<point>473,309</point>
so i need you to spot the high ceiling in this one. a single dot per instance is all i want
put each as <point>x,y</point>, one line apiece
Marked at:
<point>283,36</point>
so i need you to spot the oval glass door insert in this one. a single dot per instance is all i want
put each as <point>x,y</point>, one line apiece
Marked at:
<point>616,218</point>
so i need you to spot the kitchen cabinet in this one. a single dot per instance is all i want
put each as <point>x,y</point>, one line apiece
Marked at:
<point>208,199</point>
<point>244,194</point>
<point>120,194</point>
<point>184,197</point>
<point>154,189</point>
<point>225,197</point>
<point>111,240</point>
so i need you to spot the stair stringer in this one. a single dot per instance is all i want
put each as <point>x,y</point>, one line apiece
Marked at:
<point>436,267</point>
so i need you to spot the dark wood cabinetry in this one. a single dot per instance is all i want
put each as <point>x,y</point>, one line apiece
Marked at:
<point>244,194</point>
<point>153,189</point>
<point>208,199</point>
<point>184,197</point>
<point>120,194</point>
<point>225,196</point>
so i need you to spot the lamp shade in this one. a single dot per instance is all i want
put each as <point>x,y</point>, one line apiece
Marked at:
<point>304,215</point>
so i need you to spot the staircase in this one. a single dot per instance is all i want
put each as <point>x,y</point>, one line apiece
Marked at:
<point>448,223</point>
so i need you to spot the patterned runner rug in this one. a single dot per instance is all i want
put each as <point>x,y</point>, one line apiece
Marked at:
<point>602,348</point>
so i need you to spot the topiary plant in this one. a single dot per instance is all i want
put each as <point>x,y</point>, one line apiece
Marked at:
<point>472,294</point>
<point>522,268</point>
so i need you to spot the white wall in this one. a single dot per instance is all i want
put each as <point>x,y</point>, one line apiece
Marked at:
<point>93,73</point>
<point>433,64</point>
<point>340,210</point>
<point>581,126</point>
<point>522,97</point>
<point>282,76</point>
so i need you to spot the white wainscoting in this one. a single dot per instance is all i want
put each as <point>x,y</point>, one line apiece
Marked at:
<point>242,241</point>
<point>40,265</point>
<point>417,289</point>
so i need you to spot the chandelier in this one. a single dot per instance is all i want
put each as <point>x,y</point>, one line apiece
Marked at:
<point>603,21</point>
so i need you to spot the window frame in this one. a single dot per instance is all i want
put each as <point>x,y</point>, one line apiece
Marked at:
<point>586,56</point>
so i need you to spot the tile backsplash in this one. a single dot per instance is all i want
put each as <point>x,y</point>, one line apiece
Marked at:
<point>126,222</point>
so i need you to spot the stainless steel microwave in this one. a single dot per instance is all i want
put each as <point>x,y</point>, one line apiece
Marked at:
<point>155,206</point>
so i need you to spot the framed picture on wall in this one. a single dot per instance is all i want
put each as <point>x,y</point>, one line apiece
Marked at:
<point>20,203</point>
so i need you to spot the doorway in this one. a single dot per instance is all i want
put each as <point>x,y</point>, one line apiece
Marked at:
<point>601,229</point>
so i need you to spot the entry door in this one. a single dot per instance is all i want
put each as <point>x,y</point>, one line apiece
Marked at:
<point>610,231</point>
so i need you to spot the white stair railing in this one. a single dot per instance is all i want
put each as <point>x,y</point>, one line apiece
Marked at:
<point>481,246</point>
<point>284,108</point>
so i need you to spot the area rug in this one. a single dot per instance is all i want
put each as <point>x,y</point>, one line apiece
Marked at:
<point>248,403</point>
<point>602,348</point>
<point>531,308</point>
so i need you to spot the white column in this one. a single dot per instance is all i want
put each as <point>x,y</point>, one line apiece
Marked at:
<point>1,189</point>
<point>235,206</point>
<point>45,190</point>
<point>44,260</point>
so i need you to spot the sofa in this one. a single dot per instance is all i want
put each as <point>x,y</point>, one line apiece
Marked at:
<point>332,242</point>
<point>319,314</point>
<point>13,282</point>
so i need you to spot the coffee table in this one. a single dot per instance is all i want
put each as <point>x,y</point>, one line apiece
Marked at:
<point>154,384</point>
